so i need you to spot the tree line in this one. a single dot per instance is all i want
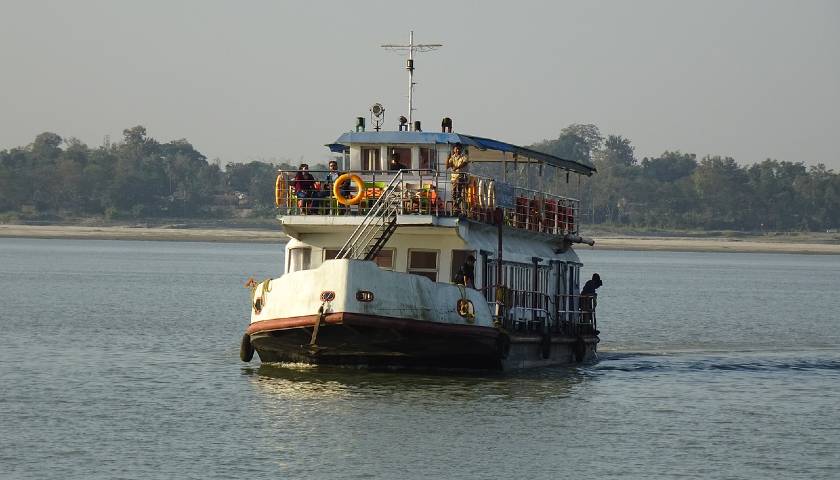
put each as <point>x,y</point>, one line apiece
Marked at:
<point>676,190</point>
<point>139,177</point>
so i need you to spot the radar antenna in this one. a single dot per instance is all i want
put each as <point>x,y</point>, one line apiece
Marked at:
<point>409,64</point>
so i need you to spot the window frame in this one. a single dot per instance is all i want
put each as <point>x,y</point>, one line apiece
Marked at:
<point>421,271</point>
<point>391,149</point>
<point>291,256</point>
<point>454,268</point>
<point>432,161</point>
<point>364,159</point>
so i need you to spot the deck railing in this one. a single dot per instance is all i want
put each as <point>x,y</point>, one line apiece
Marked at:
<point>427,192</point>
<point>530,311</point>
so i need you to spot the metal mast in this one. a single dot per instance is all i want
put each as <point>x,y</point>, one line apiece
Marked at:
<point>409,65</point>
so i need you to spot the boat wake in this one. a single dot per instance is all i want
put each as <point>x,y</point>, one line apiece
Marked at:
<point>814,361</point>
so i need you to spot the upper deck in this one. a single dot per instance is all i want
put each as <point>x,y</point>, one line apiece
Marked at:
<point>532,190</point>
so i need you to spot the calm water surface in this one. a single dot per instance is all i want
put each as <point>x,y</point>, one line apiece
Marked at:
<point>120,360</point>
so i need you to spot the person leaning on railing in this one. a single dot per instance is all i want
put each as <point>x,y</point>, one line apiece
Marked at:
<point>458,162</point>
<point>589,297</point>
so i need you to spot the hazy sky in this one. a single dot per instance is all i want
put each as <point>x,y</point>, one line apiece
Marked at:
<point>274,80</point>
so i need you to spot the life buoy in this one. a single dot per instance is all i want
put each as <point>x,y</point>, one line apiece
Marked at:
<point>466,309</point>
<point>360,189</point>
<point>491,194</point>
<point>246,349</point>
<point>482,193</point>
<point>280,190</point>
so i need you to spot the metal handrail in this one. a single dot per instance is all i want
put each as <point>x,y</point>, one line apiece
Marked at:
<point>366,230</point>
<point>534,210</point>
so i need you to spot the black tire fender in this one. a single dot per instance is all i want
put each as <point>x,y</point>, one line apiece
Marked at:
<point>246,350</point>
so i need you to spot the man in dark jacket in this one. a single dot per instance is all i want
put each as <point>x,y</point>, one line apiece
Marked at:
<point>466,274</point>
<point>589,296</point>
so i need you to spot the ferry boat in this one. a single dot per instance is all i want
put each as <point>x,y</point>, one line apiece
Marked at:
<point>374,270</point>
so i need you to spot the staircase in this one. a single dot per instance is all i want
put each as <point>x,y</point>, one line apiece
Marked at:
<point>368,239</point>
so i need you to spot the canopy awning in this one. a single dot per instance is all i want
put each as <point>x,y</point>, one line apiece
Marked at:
<point>433,138</point>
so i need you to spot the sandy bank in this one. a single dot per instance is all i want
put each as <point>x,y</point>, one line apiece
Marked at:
<point>143,233</point>
<point>683,244</point>
<point>605,242</point>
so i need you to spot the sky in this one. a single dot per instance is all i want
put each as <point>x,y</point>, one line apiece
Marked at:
<point>276,80</point>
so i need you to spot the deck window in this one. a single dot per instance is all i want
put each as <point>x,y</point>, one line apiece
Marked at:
<point>331,253</point>
<point>428,158</point>
<point>299,259</point>
<point>459,258</point>
<point>385,259</point>
<point>371,160</point>
<point>423,262</point>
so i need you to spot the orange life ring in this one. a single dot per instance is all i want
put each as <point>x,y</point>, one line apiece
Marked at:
<point>360,189</point>
<point>280,190</point>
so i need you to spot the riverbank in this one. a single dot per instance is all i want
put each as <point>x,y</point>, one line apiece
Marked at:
<point>171,233</point>
<point>809,243</point>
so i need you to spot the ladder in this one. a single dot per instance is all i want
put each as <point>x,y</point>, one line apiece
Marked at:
<point>368,239</point>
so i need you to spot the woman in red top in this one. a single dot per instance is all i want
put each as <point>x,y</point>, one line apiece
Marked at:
<point>304,188</point>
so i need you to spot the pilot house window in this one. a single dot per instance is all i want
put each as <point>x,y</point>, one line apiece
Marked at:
<point>371,160</point>
<point>399,158</point>
<point>428,159</point>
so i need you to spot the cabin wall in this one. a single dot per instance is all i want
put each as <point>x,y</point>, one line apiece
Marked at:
<point>560,270</point>
<point>443,243</point>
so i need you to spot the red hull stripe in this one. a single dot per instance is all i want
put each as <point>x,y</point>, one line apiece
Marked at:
<point>375,321</point>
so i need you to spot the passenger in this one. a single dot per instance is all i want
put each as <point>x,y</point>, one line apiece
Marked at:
<point>327,192</point>
<point>589,296</point>
<point>458,162</point>
<point>466,274</point>
<point>304,184</point>
<point>395,164</point>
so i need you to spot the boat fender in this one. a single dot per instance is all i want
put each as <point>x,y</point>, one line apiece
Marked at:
<point>503,345</point>
<point>246,350</point>
<point>579,349</point>
<point>338,186</point>
<point>545,346</point>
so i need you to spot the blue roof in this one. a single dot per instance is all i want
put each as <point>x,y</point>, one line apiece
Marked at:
<point>420,138</point>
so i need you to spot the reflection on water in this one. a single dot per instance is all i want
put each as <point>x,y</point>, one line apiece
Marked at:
<point>298,381</point>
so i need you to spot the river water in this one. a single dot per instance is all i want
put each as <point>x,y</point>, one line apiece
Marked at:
<point>119,359</point>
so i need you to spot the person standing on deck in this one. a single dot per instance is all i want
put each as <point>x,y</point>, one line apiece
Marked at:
<point>327,190</point>
<point>304,184</point>
<point>458,162</point>
<point>589,296</point>
<point>466,274</point>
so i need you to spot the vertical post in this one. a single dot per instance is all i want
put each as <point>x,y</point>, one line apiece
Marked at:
<point>500,307</point>
<point>535,293</point>
<point>484,273</point>
<point>410,67</point>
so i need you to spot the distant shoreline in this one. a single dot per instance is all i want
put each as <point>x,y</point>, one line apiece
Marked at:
<point>602,242</point>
